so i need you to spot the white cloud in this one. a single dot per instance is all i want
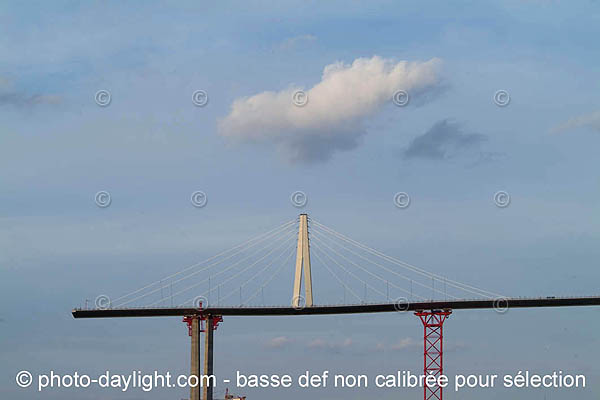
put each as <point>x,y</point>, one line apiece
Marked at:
<point>332,120</point>
<point>327,345</point>
<point>317,344</point>
<point>401,344</point>
<point>405,344</point>
<point>591,120</point>
<point>279,342</point>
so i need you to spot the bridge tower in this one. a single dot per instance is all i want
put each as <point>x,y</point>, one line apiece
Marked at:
<point>433,346</point>
<point>198,324</point>
<point>302,263</point>
<point>195,328</point>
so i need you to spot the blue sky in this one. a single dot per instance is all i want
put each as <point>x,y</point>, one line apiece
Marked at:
<point>151,148</point>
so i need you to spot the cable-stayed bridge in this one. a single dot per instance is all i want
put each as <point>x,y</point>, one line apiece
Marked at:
<point>249,278</point>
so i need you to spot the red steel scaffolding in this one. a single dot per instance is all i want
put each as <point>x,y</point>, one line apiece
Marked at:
<point>433,346</point>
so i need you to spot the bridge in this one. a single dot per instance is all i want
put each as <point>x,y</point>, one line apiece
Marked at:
<point>262,256</point>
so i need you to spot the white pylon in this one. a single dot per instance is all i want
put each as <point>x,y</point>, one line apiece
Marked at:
<point>302,262</point>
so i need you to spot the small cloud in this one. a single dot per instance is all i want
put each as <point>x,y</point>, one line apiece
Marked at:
<point>445,139</point>
<point>279,342</point>
<point>591,121</point>
<point>322,344</point>
<point>297,40</point>
<point>401,344</point>
<point>333,118</point>
<point>405,344</point>
<point>317,344</point>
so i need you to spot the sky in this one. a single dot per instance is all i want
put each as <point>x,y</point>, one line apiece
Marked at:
<point>344,143</point>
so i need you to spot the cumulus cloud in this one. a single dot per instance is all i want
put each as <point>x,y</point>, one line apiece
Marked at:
<point>278,342</point>
<point>445,139</point>
<point>333,119</point>
<point>591,120</point>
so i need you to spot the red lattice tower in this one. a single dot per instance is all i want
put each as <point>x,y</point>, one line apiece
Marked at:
<point>433,346</point>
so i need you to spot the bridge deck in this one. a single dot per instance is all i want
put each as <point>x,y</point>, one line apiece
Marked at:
<point>342,309</point>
